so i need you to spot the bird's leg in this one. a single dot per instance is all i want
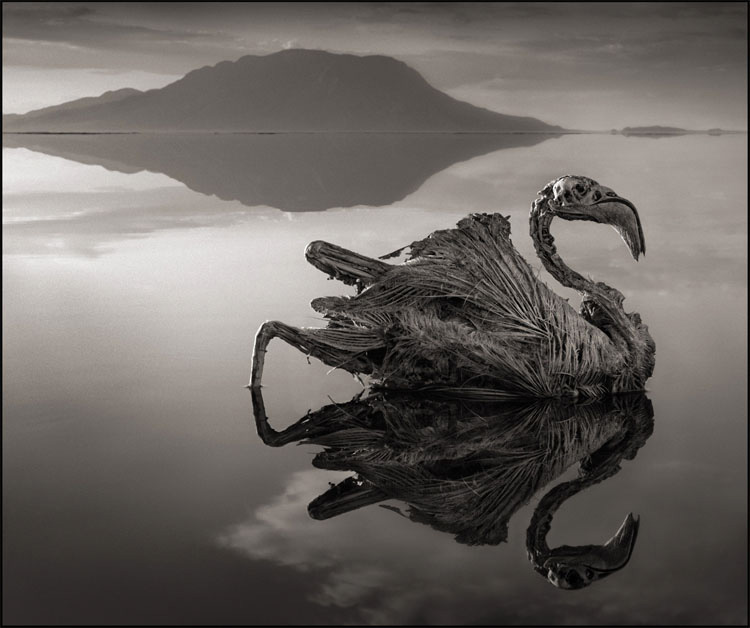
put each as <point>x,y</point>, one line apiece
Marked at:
<point>341,348</point>
<point>350,267</point>
<point>262,338</point>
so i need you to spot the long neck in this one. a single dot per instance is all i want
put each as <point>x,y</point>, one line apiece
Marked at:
<point>541,520</point>
<point>601,304</point>
<point>540,219</point>
<point>635,416</point>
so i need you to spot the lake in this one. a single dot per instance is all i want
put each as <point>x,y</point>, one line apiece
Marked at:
<point>136,271</point>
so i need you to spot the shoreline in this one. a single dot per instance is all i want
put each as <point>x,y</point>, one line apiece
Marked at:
<point>546,133</point>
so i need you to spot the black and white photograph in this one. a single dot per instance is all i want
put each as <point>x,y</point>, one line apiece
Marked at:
<point>375,313</point>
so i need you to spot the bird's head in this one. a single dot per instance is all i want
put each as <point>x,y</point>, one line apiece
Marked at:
<point>574,197</point>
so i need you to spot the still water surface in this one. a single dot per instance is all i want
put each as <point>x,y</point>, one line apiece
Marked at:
<point>136,271</point>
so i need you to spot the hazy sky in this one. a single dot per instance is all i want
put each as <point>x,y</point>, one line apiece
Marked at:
<point>580,65</point>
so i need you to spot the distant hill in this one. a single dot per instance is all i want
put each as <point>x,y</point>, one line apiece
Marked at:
<point>291,90</point>
<point>670,130</point>
<point>654,130</point>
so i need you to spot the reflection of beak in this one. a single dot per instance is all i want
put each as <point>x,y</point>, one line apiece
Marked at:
<point>620,546</point>
<point>601,559</point>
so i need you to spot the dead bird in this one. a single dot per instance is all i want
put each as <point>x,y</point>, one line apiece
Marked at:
<point>466,313</point>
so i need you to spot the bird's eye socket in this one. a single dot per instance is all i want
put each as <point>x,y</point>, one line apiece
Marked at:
<point>579,188</point>
<point>574,579</point>
<point>597,195</point>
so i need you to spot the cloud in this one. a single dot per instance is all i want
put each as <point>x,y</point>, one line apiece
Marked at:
<point>343,556</point>
<point>89,223</point>
<point>47,36</point>
<point>678,51</point>
<point>383,569</point>
<point>80,26</point>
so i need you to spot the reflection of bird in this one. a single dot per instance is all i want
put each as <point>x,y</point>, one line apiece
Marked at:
<point>465,467</point>
<point>575,567</point>
<point>466,311</point>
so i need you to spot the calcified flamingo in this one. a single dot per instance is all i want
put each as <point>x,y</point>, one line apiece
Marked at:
<point>465,311</point>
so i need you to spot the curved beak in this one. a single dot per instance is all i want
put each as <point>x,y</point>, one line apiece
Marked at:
<point>615,211</point>
<point>616,199</point>
<point>623,216</point>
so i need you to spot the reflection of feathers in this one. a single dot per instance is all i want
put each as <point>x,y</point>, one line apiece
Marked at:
<point>462,467</point>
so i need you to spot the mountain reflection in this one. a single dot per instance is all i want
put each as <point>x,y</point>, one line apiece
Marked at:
<point>291,172</point>
<point>465,466</point>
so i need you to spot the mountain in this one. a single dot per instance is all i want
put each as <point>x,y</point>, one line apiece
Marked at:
<point>291,90</point>
<point>73,105</point>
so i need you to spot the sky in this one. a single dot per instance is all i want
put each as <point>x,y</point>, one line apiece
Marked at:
<point>580,65</point>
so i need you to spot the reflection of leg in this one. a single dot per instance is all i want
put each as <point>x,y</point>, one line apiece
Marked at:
<point>322,423</point>
<point>343,347</point>
<point>267,434</point>
<point>351,268</point>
